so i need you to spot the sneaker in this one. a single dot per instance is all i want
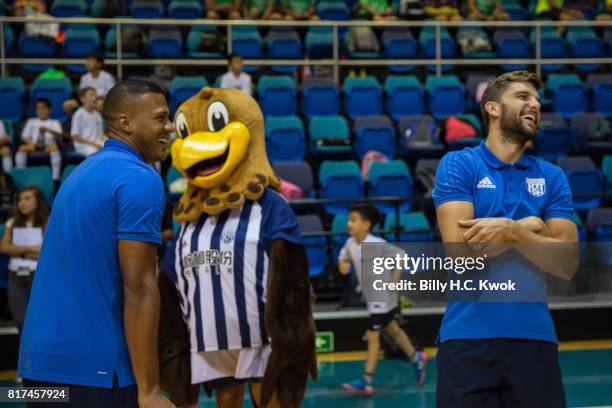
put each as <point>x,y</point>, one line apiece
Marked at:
<point>420,367</point>
<point>359,385</point>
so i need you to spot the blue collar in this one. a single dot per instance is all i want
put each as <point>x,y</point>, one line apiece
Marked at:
<point>494,161</point>
<point>121,145</point>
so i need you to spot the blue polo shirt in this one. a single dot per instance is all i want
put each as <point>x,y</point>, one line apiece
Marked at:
<point>530,187</point>
<point>73,331</point>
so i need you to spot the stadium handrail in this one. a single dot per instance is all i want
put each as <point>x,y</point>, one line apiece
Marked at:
<point>335,61</point>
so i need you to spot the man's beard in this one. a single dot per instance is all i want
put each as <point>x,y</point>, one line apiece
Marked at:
<point>514,130</point>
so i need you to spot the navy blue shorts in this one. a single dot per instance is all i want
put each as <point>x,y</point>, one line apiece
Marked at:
<point>496,373</point>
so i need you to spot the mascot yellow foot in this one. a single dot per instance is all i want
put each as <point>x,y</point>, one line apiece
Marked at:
<point>220,150</point>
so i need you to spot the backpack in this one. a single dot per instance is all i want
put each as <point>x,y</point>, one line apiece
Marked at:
<point>422,133</point>
<point>369,158</point>
<point>410,10</point>
<point>362,39</point>
<point>211,41</point>
<point>598,131</point>
<point>290,191</point>
<point>457,129</point>
<point>473,41</point>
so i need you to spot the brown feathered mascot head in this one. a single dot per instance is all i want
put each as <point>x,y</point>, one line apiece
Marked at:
<point>221,151</point>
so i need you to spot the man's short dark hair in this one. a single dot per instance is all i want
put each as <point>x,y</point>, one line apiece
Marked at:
<point>45,102</point>
<point>498,85</point>
<point>97,56</point>
<point>232,56</point>
<point>120,95</point>
<point>367,212</point>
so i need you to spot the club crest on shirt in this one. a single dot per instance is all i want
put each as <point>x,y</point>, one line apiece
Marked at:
<point>228,237</point>
<point>536,186</point>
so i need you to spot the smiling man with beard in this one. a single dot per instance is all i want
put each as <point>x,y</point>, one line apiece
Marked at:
<point>494,353</point>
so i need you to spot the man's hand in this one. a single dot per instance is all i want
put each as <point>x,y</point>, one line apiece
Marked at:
<point>154,399</point>
<point>485,230</point>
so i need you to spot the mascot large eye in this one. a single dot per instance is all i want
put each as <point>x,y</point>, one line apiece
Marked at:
<point>217,116</point>
<point>181,125</point>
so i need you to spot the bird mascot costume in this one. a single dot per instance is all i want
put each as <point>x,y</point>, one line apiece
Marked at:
<point>235,291</point>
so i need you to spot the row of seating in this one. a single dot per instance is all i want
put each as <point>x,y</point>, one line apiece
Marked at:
<point>285,43</point>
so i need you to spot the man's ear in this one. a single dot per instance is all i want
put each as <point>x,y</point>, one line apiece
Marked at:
<point>125,122</point>
<point>493,109</point>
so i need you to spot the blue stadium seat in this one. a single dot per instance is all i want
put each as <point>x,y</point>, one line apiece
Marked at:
<point>183,88</point>
<point>9,40</point>
<point>601,87</point>
<point>57,90</point>
<point>35,47</point>
<point>472,85</point>
<point>606,168</point>
<point>515,9</point>
<point>68,8</point>
<point>412,124</point>
<point>582,230</point>
<point>247,42</point>
<point>446,96</point>
<point>362,96</point>
<point>511,44</point>
<point>110,43</point>
<point>552,46</point>
<point>66,172</point>
<point>39,176</point>
<point>333,10</point>
<point>285,140</point>
<point>599,221</point>
<point>277,95</point>
<point>284,43</point>
<point>584,43</point>
<point>316,245</point>
<point>581,122</point>
<point>319,42</point>
<point>399,43</point>
<point>80,41</point>
<point>405,96</point>
<point>569,94</point>
<point>185,9</point>
<point>583,178</point>
<point>390,179</point>
<point>340,180</point>
<point>427,44</point>
<point>555,139</point>
<point>325,127</point>
<point>193,42</point>
<point>11,99</point>
<point>165,42</point>
<point>375,133</point>
<point>151,9</point>
<point>298,173</point>
<point>339,226</point>
<point>414,227</point>
<point>320,97</point>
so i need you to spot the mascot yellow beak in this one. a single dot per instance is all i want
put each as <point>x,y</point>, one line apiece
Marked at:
<point>207,159</point>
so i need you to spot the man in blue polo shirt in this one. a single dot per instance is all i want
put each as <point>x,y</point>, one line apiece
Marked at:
<point>504,354</point>
<point>93,315</point>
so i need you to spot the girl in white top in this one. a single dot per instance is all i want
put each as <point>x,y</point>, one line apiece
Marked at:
<point>21,241</point>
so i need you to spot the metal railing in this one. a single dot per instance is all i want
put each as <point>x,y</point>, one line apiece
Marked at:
<point>335,62</point>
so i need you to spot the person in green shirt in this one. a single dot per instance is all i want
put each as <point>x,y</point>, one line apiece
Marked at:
<point>300,10</point>
<point>557,10</point>
<point>376,10</point>
<point>487,10</point>
<point>257,9</point>
<point>223,9</point>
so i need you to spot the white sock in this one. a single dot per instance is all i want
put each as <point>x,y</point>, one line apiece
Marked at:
<point>21,158</point>
<point>56,164</point>
<point>7,163</point>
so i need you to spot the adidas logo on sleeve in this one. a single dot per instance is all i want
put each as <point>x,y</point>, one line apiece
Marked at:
<point>485,183</point>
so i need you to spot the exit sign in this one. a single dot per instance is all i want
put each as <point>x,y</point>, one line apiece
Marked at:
<point>324,341</point>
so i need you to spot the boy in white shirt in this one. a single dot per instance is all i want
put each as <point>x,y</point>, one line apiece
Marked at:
<point>235,78</point>
<point>39,134</point>
<point>96,77</point>
<point>5,149</point>
<point>86,129</point>
<point>382,314</point>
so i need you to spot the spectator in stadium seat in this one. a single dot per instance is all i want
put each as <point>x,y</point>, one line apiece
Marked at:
<point>558,10</point>
<point>21,241</point>
<point>362,219</point>
<point>39,135</point>
<point>5,149</point>
<point>300,10</point>
<point>257,9</point>
<point>96,78</point>
<point>235,77</point>
<point>443,10</point>
<point>87,128</point>
<point>223,9</point>
<point>488,10</point>
<point>377,10</point>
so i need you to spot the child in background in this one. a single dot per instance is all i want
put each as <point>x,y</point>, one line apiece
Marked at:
<point>86,129</point>
<point>39,135</point>
<point>27,225</point>
<point>5,149</point>
<point>382,314</point>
